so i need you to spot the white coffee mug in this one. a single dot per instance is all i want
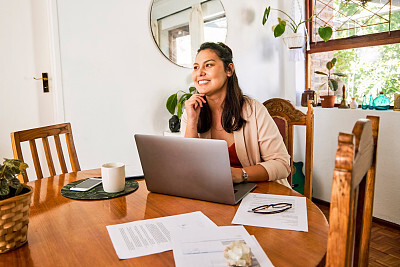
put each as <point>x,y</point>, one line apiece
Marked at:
<point>113,177</point>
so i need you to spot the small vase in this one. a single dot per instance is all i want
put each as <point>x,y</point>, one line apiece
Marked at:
<point>174,124</point>
<point>371,103</point>
<point>364,104</point>
<point>353,104</point>
<point>381,102</point>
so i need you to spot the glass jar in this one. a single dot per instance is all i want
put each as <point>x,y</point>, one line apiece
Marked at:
<point>381,102</point>
<point>308,95</point>
<point>371,102</point>
<point>364,104</point>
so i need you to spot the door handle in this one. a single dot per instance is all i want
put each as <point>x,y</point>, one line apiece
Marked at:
<point>45,79</point>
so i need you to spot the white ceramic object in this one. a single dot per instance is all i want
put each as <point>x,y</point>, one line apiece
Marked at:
<point>113,177</point>
<point>294,40</point>
<point>353,104</point>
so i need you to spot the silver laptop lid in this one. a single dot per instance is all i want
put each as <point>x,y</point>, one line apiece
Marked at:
<point>188,167</point>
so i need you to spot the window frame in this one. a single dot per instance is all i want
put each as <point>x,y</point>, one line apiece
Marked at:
<point>383,38</point>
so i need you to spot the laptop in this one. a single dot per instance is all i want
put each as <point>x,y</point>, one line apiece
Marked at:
<point>189,167</point>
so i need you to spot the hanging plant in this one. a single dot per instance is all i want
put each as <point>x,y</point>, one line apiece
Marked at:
<point>325,32</point>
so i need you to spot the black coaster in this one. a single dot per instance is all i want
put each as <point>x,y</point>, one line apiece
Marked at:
<point>97,192</point>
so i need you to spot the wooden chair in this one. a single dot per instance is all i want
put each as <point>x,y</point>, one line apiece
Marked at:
<point>352,195</point>
<point>286,116</point>
<point>43,133</point>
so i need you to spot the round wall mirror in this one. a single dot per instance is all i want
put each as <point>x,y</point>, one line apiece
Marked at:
<point>180,27</point>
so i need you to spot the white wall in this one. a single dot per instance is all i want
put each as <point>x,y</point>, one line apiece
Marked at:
<point>116,83</point>
<point>327,125</point>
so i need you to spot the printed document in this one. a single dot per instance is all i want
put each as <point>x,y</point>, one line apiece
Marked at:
<point>294,218</point>
<point>206,248</point>
<point>145,237</point>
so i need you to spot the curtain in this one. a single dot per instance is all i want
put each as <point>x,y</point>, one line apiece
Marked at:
<point>196,29</point>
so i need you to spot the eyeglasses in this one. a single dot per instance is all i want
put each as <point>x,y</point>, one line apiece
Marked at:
<point>272,208</point>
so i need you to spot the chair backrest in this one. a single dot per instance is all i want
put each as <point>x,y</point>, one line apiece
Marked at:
<point>352,196</point>
<point>43,133</point>
<point>286,116</point>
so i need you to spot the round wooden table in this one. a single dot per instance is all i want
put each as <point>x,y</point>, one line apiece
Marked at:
<point>67,232</point>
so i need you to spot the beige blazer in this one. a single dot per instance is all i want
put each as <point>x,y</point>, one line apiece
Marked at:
<point>258,142</point>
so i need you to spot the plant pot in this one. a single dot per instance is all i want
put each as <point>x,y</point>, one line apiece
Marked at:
<point>14,219</point>
<point>294,40</point>
<point>174,124</point>
<point>328,101</point>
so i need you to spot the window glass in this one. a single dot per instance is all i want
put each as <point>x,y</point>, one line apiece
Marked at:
<point>179,39</point>
<point>369,70</point>
<point>356,17</point>
<point>215,30</point>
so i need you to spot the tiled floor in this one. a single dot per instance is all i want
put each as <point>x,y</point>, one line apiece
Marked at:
<point>385,243</point>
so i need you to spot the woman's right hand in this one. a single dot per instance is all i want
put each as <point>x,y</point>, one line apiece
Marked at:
<point>193,106</point>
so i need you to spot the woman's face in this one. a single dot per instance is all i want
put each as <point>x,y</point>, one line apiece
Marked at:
<point>209,75</point>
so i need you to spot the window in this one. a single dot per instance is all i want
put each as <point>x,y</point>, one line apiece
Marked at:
<point>365,40</point>
<point>215,30</point>
<point>179,46</point>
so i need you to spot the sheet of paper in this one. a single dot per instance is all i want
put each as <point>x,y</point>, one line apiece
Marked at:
<point>206,248</point>
<point>292,219</point>
<point>145,237</point>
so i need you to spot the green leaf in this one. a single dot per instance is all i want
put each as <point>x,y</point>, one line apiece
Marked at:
<point>23,166</point>
<point>266,15</point>
<point>339,74</point>
<point>322,85</point>
<point>333,84</point>
<point>334,60</point>
<point>325,33</point>
<point>19,189</point>
<point>279,29</point>
<point>4,190</point>
<point>320,72</point>
<point>14,183</point>
<point>179,110</point>
<point>3,182</point>
<point>184,97</point>
<point>192,89</point>
<point>329,65</point>
<point>171,103</point>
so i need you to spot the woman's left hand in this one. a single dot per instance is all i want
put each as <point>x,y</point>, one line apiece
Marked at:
<point>237,175</point>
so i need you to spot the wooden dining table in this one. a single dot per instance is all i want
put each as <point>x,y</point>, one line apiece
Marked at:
<point>68,232</point>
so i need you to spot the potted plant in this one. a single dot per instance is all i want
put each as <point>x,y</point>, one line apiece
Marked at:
<point>295,39</point>
<point>15,200</point>
<point>328,101</point>
<point>174,104</point>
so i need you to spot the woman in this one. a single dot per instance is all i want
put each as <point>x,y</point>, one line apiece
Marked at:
<point>220,111</point>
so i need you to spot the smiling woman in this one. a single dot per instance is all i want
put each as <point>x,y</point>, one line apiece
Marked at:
<point>180,27</point>
<point>220,111</point>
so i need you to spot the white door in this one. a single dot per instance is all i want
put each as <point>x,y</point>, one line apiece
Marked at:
<point>24,54</point>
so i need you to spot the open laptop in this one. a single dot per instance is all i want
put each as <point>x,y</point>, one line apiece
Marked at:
<point>189,167</point>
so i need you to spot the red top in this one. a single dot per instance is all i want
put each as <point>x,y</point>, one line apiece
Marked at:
<point>233,158</point>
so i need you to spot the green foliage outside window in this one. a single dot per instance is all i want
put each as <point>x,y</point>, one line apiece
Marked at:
<point>371,69</point>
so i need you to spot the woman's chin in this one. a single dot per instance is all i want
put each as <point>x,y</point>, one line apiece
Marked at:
<point>201,91</point>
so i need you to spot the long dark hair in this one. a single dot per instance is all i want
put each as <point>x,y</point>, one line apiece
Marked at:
<point>231,118</point>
